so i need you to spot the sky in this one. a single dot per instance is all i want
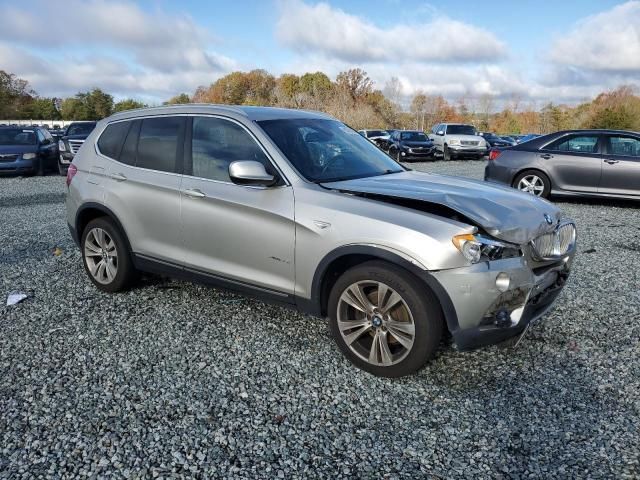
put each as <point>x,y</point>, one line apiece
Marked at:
<point>564,51</point>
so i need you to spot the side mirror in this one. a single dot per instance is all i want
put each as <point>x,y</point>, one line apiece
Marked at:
<point>249,172</point>
<point>440,132</point>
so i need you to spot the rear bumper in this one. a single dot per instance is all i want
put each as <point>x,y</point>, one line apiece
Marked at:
<point>494,172</point>
<point>487,316</point>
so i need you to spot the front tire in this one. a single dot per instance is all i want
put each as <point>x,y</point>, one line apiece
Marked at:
<point>381,322</point>
<point>106,256</point>
<point>61,169</point>
<point>533,182</point>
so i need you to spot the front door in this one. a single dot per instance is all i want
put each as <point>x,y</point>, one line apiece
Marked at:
<point>241,234</point>
<point>621,166</point>
<point>574,162</point>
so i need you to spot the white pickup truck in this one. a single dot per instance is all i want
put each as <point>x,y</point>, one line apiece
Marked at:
<point>457,140</point>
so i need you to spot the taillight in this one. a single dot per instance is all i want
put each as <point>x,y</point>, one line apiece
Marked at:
<point>71,172</point>
<point>493,154</point>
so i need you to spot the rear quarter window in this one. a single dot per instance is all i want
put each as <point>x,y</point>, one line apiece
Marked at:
<point>160,143</point>
<point>111,140</point>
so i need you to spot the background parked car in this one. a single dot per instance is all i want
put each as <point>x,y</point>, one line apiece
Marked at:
<point>408,145</point>
<point>495,141</point>
<point>378,137</point>
<point>72,139</point>
<point>572,162</point>
<point>456,140</point>
<point>526,138</point>
<point>30,150</point>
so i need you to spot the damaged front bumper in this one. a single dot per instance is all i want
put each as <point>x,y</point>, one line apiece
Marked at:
<point>489,308</point>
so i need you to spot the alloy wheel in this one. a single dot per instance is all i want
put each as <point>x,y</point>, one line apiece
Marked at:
<point>532,184</point>
<point>101,255</point>
<point>376,323</point>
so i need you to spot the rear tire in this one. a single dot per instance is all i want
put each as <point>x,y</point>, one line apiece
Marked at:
<point>106,256</point>
<point>406,319</point>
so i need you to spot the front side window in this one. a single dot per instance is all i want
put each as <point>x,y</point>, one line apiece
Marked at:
<point>40,136</point>
<point>159,143</point>
<point>216,143</point>
<point>626,146</point>
<point>576,144</point>
<point>111,140</point>
<point>323,150</point>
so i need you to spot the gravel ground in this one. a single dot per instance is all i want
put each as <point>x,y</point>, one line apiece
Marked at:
<point>175,379</point>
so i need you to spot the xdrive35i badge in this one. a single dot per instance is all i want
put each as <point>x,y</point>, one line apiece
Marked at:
<point>548,218</point>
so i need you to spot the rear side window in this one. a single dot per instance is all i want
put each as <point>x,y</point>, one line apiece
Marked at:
<point>160,143</point>
<point>111,140</point>
<point>576,144</point>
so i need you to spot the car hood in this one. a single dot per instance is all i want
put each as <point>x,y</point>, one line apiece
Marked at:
<point>9,149</point>
<point>504,213</point>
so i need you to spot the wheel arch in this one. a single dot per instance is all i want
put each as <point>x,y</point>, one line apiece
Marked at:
<point>92,210</point>
<point>338,261</point>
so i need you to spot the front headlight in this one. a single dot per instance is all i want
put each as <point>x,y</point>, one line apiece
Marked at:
<point>476,248</point>
<point>28,156</point>
<point>61,146</point>
<point>454,142</point>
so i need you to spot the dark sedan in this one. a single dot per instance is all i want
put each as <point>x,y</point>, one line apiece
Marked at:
<point>495,141</point>
<point>573,162</point>
<point>408,145</point>
<point>27,150</point>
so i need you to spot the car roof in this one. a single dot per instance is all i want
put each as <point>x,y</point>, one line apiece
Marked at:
<point>249,112</point>
<point>595,131</point>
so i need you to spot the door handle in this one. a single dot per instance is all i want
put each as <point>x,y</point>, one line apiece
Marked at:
<point>118,177</point>
<point>194,193</point>
<point>546,156</point>
<point>611,161</point>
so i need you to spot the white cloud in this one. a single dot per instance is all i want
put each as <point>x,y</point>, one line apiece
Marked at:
<point>132,52</point>
<point>321,28</point>
<point>605,42</point>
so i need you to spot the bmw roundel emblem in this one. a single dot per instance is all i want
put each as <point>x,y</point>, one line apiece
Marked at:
<point>548,218</point>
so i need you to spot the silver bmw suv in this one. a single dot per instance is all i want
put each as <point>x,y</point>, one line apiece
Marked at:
<point>297,208</point>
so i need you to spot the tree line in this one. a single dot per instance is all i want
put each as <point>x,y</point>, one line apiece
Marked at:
<point>351,97</point>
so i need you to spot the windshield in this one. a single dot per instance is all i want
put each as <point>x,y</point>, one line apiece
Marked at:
<point>460,130</point>
<point>80,129</point>
<point>413,136</point>
<point>17,136</point>
<point>327,150</point>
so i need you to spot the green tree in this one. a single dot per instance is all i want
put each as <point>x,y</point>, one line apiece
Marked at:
<point>41,108</point>
<point>127,104</point>
<point>316,84</point>
<point>15,95</point>
<point>93,105</point>
<point>178,99</point>
<point>73,109</point>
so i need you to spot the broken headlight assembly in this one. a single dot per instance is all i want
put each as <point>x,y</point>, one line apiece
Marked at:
<point>479,248</point>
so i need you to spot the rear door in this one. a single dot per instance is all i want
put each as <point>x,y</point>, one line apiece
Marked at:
<point>621,165</point>
<point>143,183</point>
<point>574,162</point>
<point>239,233</point>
